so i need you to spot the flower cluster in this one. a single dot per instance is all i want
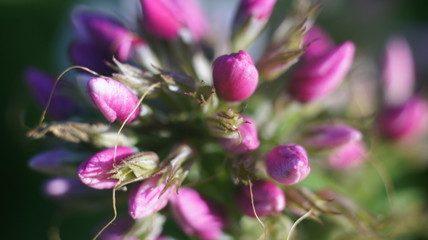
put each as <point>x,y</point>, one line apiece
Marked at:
<point>194,147</point>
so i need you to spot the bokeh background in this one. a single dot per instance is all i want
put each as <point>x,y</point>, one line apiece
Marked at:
<point>34,33</point>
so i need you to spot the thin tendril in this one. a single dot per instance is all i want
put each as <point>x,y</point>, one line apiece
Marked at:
<point>42,118</point>
<point>250,184</point>
<point>297,222</point>
<point>114,214</point>
<point>129,116</point>
<point>389,187</point>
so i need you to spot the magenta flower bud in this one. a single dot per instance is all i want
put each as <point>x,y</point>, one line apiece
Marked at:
<point>55,161</point>
<point>398,74</point>
<point>66,188</point>
<point>288,164</point>
<point>260,9</point>
<point>319,77</point>
<point>348,156</point>
<point>61,107</point>
<point>113,99</point>
<point>268,198</point>
<point>332,136</point>
<point>320,43</point>
<point>196,215</point>
<point>405,122</point>
<point>146,198</point>
<point>166,18</point>
<point>235,76</point>
<point>246,141</point>
<point>96,171</point>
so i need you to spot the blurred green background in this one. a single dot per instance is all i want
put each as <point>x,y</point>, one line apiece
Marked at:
<point>31,32</point>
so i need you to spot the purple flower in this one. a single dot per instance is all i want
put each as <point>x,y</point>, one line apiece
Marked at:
<point>146,198</point>
<point>66,188</point>
<point>320,43</point>
<point>404,122</point>
<point>196,215</point>
<point>317,78</point>
<point>268,198</point>
<point>113,99</point>
<point>398,74</point>
<point>235,76</point>
<point>100,38</point>
<point>332,136</point>
<point>95,171</point>
<point>61,107</point>
<point>348,156</point>
<point>243,142</point>
<point>260,9</point>
<point>165,18</point>
<point>54,161</point>
<point>118,229</point>
<point>288,164</point>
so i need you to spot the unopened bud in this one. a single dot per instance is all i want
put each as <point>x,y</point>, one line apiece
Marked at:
<point>96,171</point>
<point>235,76</point>
<point>317,78</point>
<point>332,136</point>
<point>245,140</point>
<point>348,156</point>
<point>148,197</point>
<point>268,198</point>
<point>196,215</point>
<point>113,99</point>
<point>288,164</point>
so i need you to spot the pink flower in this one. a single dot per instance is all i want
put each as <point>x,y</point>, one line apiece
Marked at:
<point>95,172</point>
<point>288,164</point>
<point>61,107</point>
<point>113,99</point>
<point>268,198</point>
<point>317,78</point>
<point>398,74</point>
<point>146,199</point>
<point>332,136</point>
<point>320,43</point>
<point>165,18</point>
<point>196,215</point>
<point>246,141</point>
<point>348,156</point>
<point>260,9</point>
<point>235,76</point>
<point>404,122</point>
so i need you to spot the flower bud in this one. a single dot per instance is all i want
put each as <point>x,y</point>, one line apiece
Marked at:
<point>398,75</point>
<point>250,20</point>
<point>196,215</point>
<point>348,156</point>
<point>319,43</point>
<point>404,122</point>
<point>61,107</point>
<point>268,198</point>
<point>96,171</point>
<point>66,188</point>
<point>166,18</point>
<point>288,164</point>
<point>113,99</point>
<point>55,161</point>
<point>87,54</point>
<point>235,76</point>
<point>243,142</point>
<point>332,136</point>
<point>148,197</point>
<point>317,78</point>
